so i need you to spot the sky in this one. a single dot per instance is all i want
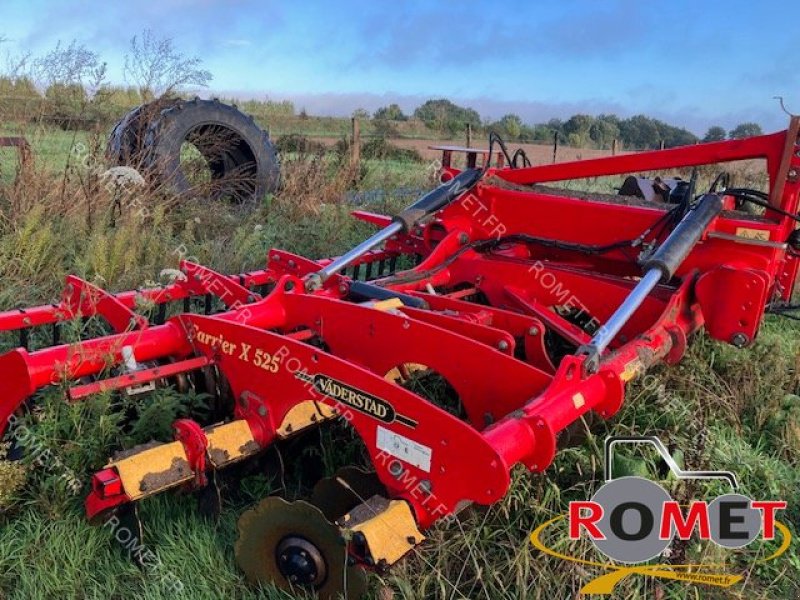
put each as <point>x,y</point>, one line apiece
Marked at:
<point>692,63</point>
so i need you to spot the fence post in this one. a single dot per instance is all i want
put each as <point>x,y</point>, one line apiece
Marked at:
<point>614,147</point>
<point>469,135</point>
<point>555,146</point>
<point>661,146</point>
<point>355,149</point>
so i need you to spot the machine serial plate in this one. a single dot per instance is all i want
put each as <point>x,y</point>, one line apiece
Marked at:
<point>405,449</point>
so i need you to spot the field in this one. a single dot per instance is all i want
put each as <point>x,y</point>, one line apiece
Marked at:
<point>538,154</point>
<point>724,408</point>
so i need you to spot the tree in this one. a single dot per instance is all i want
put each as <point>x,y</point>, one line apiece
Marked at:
<point>745,130</point>
<point>715,133</point>
<point>443,115</point>
<point>158,69</point>
<point>511,125</point>
<point>604,131</point>
<point>639,132</point>
<point>393,112</point>
<point>17,66</point>
<point>71,66</point>
<point>362,114</point>
<point>577,129</point>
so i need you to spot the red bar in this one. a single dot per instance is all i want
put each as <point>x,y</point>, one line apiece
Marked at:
<point>54,313</point>
<point>765,146</point>
<point>138,377</point>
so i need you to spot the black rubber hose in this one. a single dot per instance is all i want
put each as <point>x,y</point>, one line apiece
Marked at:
<point>360,290</point>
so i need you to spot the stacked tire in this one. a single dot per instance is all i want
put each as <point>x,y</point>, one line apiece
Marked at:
<point>240,161</point>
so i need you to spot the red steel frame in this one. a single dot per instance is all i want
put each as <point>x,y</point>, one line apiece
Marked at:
<point>492,352</point>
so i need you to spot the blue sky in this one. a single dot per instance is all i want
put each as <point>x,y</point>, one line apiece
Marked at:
<point>692,63</point>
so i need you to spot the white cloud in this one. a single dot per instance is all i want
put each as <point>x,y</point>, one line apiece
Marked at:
<point>237,43</point>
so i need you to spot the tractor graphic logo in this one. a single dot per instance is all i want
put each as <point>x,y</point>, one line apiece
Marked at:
<point>633,521</point>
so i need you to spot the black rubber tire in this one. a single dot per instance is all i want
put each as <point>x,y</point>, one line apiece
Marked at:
<point>126,142</point>
<point>242,161</point>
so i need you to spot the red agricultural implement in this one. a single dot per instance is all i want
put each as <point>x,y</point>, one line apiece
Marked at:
<point>537,305</point>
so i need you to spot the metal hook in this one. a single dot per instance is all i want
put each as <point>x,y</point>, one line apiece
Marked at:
<point>783,106</point>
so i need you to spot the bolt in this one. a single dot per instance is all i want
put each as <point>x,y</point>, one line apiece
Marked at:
<point>502,345</point>
<point>533,331</point>
<point>289,286</point>
<point>243,401</point>
<point>463,238</point>
<point>251,298</point>
<point>292,264</point>
<point>426,486</point>
<point>739,340</point>
<point>276,257</point>
<point>396,469</point>
<point>262,410</point>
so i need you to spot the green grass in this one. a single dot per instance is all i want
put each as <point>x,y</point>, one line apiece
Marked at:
<point>743,404</point>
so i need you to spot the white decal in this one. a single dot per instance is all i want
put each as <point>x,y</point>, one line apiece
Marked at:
<point>405,449</point>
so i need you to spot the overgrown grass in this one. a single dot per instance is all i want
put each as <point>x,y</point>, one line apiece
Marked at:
<point>724,408</point>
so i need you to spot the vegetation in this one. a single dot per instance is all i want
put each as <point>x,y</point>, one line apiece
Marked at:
<point>715,133</point>
<point>745,130</point>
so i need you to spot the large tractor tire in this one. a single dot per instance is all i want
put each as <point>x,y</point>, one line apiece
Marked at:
<point>200,148</point>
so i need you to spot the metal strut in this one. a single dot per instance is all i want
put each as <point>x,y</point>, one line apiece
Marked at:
<point>661,265</point>
<point>403,222</point>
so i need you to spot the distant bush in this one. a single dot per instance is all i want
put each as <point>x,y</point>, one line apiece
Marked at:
<point>380,149</point>
<point>294,142</point>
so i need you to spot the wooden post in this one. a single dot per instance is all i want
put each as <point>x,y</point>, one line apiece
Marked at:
<point>469,135</point>
<point>614,147</point>
<point>661,147</point>
<point>555,146</point>
<point>356,147</point>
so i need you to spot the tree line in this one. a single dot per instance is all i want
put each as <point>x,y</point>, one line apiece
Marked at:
<point>581,130</point>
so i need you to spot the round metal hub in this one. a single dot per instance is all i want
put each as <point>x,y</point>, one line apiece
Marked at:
<point>294,547</point>
<point>301,562</point>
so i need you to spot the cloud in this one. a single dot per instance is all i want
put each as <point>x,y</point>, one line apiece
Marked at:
<point>237,43</point>
<point>454,34</point>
